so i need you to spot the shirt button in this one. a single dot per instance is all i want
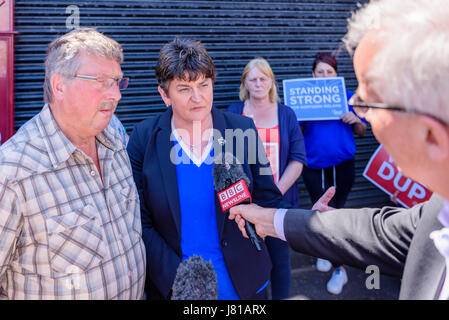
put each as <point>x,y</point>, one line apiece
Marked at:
<point>130,273</point>
<point>225,243</point>
<point>120,236</point>
<point>92,173</point>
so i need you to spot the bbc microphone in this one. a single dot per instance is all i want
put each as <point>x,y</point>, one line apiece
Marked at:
<point>231,186</point>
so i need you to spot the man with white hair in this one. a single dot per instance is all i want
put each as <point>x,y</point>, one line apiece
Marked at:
<point>401,61</point>
<point>69,209</point>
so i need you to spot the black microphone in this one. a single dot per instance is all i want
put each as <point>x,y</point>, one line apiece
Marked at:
<point>195,280</point>
<point>231,186</point>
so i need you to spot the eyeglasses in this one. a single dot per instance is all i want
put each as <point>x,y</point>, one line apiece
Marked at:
<point>361,108</point>
<point>106,82</point>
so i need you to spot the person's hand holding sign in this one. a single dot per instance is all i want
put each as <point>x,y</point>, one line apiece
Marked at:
<point>350,118</point>
<point>358,126</point>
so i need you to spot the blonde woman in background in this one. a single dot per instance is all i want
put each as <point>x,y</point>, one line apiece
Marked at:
<point>279,130</point>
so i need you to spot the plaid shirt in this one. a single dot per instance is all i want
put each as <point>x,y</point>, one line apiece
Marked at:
<point>64,232</point>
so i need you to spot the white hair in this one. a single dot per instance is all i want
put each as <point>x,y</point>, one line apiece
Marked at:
<point>411,66</point>
<point>63,54</point>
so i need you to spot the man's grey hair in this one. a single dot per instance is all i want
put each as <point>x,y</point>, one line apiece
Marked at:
<point>63,54</point>
<point>411,67</point>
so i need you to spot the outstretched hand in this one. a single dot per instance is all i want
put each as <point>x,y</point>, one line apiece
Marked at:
<point>323,203</point>
<point>262,218</point>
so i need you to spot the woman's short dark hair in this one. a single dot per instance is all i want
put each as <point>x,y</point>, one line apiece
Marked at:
<point>325,57</point>
<point>183,59</point>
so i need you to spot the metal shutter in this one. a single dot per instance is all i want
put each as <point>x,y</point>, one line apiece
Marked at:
<point>287,33</point>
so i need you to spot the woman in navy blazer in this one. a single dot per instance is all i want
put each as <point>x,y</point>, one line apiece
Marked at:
<point>260,102</point>
<point>186,73</point>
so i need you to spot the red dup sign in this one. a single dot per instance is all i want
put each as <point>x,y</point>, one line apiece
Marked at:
<point>382,171</point>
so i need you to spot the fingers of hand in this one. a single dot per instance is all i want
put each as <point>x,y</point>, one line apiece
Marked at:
<point>349,118</point>
<point>241,224</point>
<point>260,232</point>
<point>328,195</point>
<point>233,212</point>
<point>322,203</point>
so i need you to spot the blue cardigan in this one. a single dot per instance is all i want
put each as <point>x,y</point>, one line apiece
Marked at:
<point>291,143</point>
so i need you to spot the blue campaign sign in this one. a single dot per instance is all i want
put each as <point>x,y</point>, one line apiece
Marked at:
<point>316,98</point>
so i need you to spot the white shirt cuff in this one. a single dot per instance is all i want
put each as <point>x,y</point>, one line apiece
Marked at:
<point>278,222</point>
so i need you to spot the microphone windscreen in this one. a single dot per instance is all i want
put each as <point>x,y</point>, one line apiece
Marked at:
<point>195,280</point>
<point>227,172</point>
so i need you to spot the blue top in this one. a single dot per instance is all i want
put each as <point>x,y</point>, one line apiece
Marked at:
<point>328,142</point>
<point>199,231</point>
<point>291,143</point>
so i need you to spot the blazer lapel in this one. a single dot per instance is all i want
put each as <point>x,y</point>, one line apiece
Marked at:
<point>219,149</point>
<point>424,265</point>
<point>167,168</point>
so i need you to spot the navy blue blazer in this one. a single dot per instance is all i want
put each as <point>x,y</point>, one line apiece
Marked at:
<point>291,142</point>
<point>155,176</point>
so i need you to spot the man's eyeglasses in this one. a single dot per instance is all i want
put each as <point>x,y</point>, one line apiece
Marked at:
<point>361,108</point>
<point>106,82</point>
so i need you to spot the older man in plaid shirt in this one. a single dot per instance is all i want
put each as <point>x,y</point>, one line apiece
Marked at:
<point>69,209</point>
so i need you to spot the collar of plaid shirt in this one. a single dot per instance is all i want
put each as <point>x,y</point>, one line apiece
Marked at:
<point>59,147</point>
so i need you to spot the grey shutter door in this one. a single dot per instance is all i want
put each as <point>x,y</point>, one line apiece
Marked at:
<point>286,33</point>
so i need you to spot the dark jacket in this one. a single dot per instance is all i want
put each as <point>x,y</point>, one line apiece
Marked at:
<point>396,240</point>
<point>291,144</point>
<point>155,176</point>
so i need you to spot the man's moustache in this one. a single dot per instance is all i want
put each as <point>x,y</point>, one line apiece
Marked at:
<point>107,106</point>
